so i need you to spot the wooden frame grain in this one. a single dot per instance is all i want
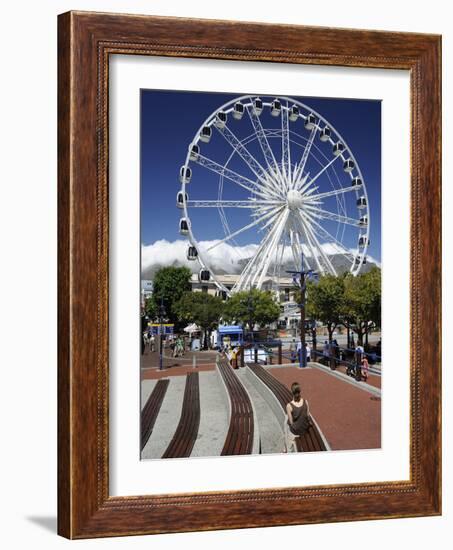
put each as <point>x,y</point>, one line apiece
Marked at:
<point>85,41</point>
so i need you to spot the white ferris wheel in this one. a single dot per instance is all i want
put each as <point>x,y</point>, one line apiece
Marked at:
<point>275,173</point>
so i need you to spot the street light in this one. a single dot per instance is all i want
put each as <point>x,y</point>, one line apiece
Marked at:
<point>300,279</point>
<point>161,316</point>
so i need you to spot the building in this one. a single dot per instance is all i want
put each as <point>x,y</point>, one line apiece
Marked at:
<point>283,288</point>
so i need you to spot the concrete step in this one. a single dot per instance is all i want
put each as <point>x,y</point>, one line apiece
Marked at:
<point>167,420</point>
<point>271,433</point>
<point>214,416</point>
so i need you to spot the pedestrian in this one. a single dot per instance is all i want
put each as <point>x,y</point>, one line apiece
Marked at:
<point>359,351</point>
<point>297,420</point>
<point>292,350</point>
<point>326,352</point>
<point>152,342</point>
<point>365,368</point>
<point>307,352</point>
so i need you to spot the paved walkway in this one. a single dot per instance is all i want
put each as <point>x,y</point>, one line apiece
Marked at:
<point>349,417</point>
<point>175,366</point>
<point>348,412</point>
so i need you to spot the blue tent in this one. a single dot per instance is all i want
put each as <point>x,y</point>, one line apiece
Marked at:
<point>232,332</point>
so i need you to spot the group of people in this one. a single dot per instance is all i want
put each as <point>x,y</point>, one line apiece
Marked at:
<point>295,349</point>
<point>177,345</point>
<point>360,367</point>
<point>232,353</point>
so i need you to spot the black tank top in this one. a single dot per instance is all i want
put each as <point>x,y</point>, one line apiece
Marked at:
<point>301,421</point>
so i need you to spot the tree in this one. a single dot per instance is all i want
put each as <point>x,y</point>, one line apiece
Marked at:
<point>151,309</point>
<point>363,302</point>
<point>325,301</point>
<point>251,307</point>
<point>169,284</point>
<point>200,308</point>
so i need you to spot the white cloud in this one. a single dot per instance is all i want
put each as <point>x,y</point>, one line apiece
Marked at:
<point>224,258</point>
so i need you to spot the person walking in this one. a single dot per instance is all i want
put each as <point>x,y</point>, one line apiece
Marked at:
<point>292,350</point>
<point>326,352</point>
<point>307,353</point>
<point>297,420</point>
<point>365,368</point>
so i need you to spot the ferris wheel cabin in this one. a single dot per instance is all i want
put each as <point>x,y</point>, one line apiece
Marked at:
<point>204,275</point>
<point>192,253</point>
<point>356,182</point>
<point>180,198</point>
<point>310,122</point>
<point>276,107</point>
<point>238,111</point>
<point>338,149</point>
<point>220,119</point>
<point>185,174</point>
<point>205,134</point>
<point>294,113</point>
<point>363,222</point>
<point>358,260</point>
<point>258,106</point>
<point>361,202</point>
<point>324,134</point>
<point>183,226</point>
<point>348,165</point>
<point>363,240</point>
<point>194,152</point>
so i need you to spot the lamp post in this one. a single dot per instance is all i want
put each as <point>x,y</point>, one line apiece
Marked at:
<point>162,313</point>
<point>300,279</point>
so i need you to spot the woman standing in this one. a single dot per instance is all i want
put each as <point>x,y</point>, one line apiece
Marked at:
<point>297,419</point>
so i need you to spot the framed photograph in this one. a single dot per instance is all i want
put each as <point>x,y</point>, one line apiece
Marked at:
<point>249,275</point>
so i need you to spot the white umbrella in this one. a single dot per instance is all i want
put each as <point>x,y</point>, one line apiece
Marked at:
<point>192,328</point>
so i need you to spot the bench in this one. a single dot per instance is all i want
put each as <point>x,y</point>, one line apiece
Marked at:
<point>151,410</point>
<point>186,432</point>
<point>312,440</point>
<point>240,435</point>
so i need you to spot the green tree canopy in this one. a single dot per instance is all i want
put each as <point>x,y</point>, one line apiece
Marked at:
<point>363,302</point>
<point>151,308</point>
<point>170,283</point>
<point>325,301</point>
<point>201,308</point>
<point>251,307</point>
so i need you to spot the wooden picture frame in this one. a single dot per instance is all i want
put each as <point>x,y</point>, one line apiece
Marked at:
<point>85,41</point>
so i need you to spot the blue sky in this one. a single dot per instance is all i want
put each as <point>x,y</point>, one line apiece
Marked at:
<point>169,121</point>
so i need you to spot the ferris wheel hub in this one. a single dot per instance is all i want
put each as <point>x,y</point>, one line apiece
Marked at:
<point>294,199</point>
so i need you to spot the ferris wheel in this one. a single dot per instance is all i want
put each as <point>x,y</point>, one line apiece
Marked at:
<point>281,186</point>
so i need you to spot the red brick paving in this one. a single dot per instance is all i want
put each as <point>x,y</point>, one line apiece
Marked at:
<point>155,373</point>
<point>349,417</point>
<point>373,379</point>
<point>175,366</point>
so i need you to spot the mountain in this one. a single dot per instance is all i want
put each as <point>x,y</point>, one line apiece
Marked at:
<point>164,253</point>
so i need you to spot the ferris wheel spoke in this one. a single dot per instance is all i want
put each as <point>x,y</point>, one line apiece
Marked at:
<point>311,246</point>
<point>270,251</point>
<point>333,193</point>
<point>254,204</point>
<point>318,245</point>
<point>231,175</point>
<point>303,161</point>
<point>279,257</point>
<point>325,214</point>
<point>265,184</point>
<point>273,212</point>
<point>314,178</point>
<point>296,248</point>
<point>286,151</point>
<point>264,144</point>
<point>322,232</point>
<point>253,264</point>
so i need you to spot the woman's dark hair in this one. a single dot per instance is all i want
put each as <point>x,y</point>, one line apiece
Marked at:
<point>295,389</point>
